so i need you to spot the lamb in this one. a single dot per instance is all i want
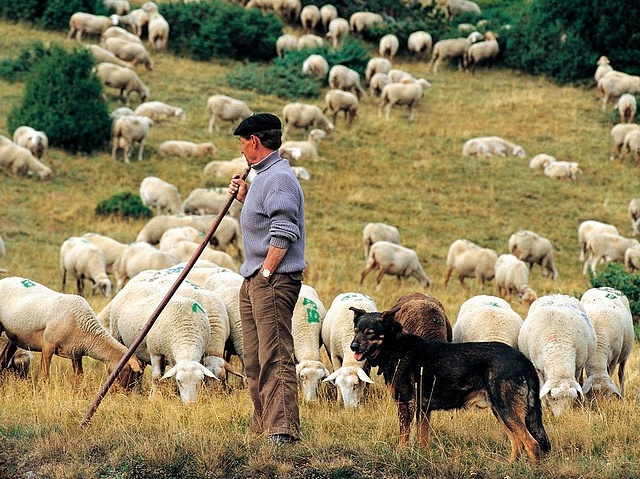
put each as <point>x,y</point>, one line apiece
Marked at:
<point>316,66</point>
<point>202,201</point>
<point>588,228</point>
<point>309,17</point>
<point>632,259</point>
<point>487,318</point>
<point>337,31</point>
<point>558,338</point>
<point>606,247</point>
<point>310,41</point>
<point>85,23</point>
<point>609,313</point>
<point>458,7</point>
<point>634,215</point>
<point>223,107</point>
<point>158,111</point>
<point>336,101</point>
<point>127,131</point>
<point>491,145</point>
<point>306,328</point>
<point>84,260</point>
<point>119,32</point>
<point>377,83</point>
<point>373,232</point>
<point>512,276</point>
<point>37,318</point>
<point>337,333</point>
<point>423,315</point>
<point>161,195</point>
<point>408,94</point>
<point>481,52</point>
<point>470,261</point>
<point>303,115</point>
<point>285,42</point>
<point>120,7</point>
<point>631,145</point>
<point>395,260</point>
<point>360,22</point>
<point>618,133</point>
<point>344,78</point>
<point>136,19</point>
<point>111,248</point>
<point>123,79</point>
<point>534,249</point>
<point>420,44</point>
<point>101,55</point>
<point>376,65</point>
<point>303,150</point>
<point>541,161</point>
<point>604,66</point>
<point>158,31</point>
<point>388,46</point>
<point>627,107</point>
<point>137,257</point>
<point>186,149</point>
<point>448,49</point>
<point>185,249</point>
<point>33,140</point>
<point>616,84</point>
<point>328,13</point>
<point>21,161</point>
<point>128,51</point>
<point>562,170</point>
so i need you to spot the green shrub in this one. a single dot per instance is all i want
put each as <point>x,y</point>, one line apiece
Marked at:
<point>124,205</point>
<point>62,97</point>
<point>51,14</point>
<point>15,70</point>
<point>614,276</point>
<point>23,10</point>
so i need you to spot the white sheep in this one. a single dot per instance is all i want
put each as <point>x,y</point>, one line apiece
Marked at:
<point>225,168</point>
<point>86,23</point>
<point>588,228</point>
<point>202,201</point>
<point>120,32</point>
<point>137,257</point>
<point>84,260</point>
<point>158,31</point>
<point>33,140</point>
<point>264,5</point>
<point>373,232</point>
<point>37,318</point>
<point>634,215</point>
<point>395,260</point>
<point>398,75</point>
<point>491,145</point>
<point>512,276</point>
<point>337,31</point>
<point>377,83</point>
<point>376,65</point>
<point>532,248</point>
<point>336,101</point>
<point>487,318</point>
<point>558,338</point>
<point>481,52</point>
<point>632,259</point>
<point>388,46</point>
<point>186,149</point>
<point>120,7</point>
<point>136,19</point>
<point>21,161</point>
<point>407,94</point>
<point>540,161</point>
<point>101,55</point>
<point>309,17</point>
<point>337,334</point>
<point>223,107</point>
<point>328,13</point>
<point>285,42</point>
<point>627,107</point>
<point>458,7</point>
<point>360,22</point>
<point>158,111</point>
<point>303,115</point>
<point>562,170</point>
<point>420,44</point>
<point>131,52</point>
<point>288,10</point>
<point>121,111</point>
<point>606,247</point>
<point>127,131</point>
<point>310,41</point>
<point>301,172</point>
<point>609,312</point>
<point>161,195</point>
<point>631,145</point>
<point>315,65</point>
<point>123,79</point>
<point>185,249</point>
<point>616,84</point>
<point>110,247</point>
<point>618,133</point>
<point>303,150</point>
<point>344,78</point>
<point>448,49</point>
<point>470,261</point>
<point>604,66</point>
<point>172,236</point>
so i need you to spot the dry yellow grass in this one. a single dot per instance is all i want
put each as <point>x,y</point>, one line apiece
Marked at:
<point>411,175</point>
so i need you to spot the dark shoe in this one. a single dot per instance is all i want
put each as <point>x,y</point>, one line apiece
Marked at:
<point>280,439</point>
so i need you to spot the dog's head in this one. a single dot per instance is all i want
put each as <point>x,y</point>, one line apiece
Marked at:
<point>370,330</point>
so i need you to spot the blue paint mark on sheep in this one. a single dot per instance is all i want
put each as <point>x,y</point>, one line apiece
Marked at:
<point>195,307</point>
<point>27,283</point>
<point>313,316</point>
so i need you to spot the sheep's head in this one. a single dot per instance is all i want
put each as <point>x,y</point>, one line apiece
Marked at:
<point>188,375</point>
<point>115,19</point>
<point>518,151</point>
<point>350,381</point>
<point>310,373</point>
<point>560,395</point>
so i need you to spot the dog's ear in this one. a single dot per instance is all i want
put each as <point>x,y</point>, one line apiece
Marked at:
<point>357,312</point>
<point>390,323</point>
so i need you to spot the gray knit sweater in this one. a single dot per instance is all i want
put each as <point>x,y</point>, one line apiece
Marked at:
<point>273,213</point>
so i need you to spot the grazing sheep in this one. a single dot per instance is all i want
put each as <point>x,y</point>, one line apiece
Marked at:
<point>119,32</point>
<point>373,232</point>
<point>286,42</point>
<point>303,115</point>
<point>173,236</point>
<point>616,84</point>
<point>186,149</point>
<point>395,260</point>
<point>491,145</point>
<point>408,94</point>
<point>223,107</point>
<point>588,228</point>
<point>134,53</point>
<point>388,46</point>
<point>203,201</point>
<point>360,22</point>
<point>618,133</point>
<point>328,13</point>
<point>377,83</point>
<point>376,65</point>
<point>470,261</point>
<point>288,10</point>
<point>512,276</point>
<point>632,259</point>
<point>631,145</point>
<point>101,55</point>
<point>111,248</point>
<point>128,130</point>
<point>136,19</point>
<point>344,78</point>
<point>606,247</point>
<point>309,17</point>
<point>609,312</point>
<point>311,41</point>
<point>37,318</point>
<point>336,101</point>
<point>137,257</point>
<point>84,260</point>
<point>85,23</point>
<point>627,107</point>
<point>634,215</point>
<point>534,249</point>
<point>487,318</point>
<point>604,66</point>
<point>184,250</point>
<point>337,333</point>
<point>123,79</point>
<point>458,7</point>
<point>563,170</point>
<point>121,111</point>
<point>423,315</point>
<point>301,172</point>
<point>541,161</point>
<point>21,161</point>
<point>161,195</point>
<point>397,75</point>
<point>420,44</point>
<point>19,363</point>
<point>481,52</point>
<point>33,140</point>
<point>303,150</point>
<point>264,5</point>
<point>337,31</point>
<point>158,31</point>
<point>558,338</point>
<point>448,49</point>
<point>158,111</point>
<point>225,168</point>
<point>120,7</point>
<point>316,66</point>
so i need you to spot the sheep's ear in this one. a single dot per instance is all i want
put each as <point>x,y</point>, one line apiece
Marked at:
<point>363,376</point>
<point>331,378</point>
<point>207,372</point>
<point>546,389</point>
<point>171,372</point>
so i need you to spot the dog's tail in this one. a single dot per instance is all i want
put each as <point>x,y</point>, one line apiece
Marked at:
<point>534,411</point>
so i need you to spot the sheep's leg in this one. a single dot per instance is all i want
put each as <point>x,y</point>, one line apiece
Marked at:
<point>379,277</point>
<point>76,363</point>
<point>447,275</point>
<point>621,368</point>
<point>64,278</point>
<point>412,112</point>
<point>45,359</point>
<point>212,120</point>
<point>366,271</point>
<point>423,421</point>
<point>141,148</point>
<point>388,110</point>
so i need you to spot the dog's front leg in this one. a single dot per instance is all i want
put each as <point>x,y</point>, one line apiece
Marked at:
<point>405,416</point>
<point>423,427</point>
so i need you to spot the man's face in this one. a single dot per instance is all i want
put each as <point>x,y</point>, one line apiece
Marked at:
<point>249,146</point>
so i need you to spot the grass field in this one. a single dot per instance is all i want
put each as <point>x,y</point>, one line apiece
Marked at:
<point>411,175</point>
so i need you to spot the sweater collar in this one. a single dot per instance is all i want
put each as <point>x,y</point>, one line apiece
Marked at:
<point>267,162</point>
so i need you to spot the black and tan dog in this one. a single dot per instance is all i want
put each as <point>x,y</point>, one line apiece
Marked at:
<point>451,376</point>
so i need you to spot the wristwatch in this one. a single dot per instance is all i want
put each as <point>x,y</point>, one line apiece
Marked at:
<point>266,273</point>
